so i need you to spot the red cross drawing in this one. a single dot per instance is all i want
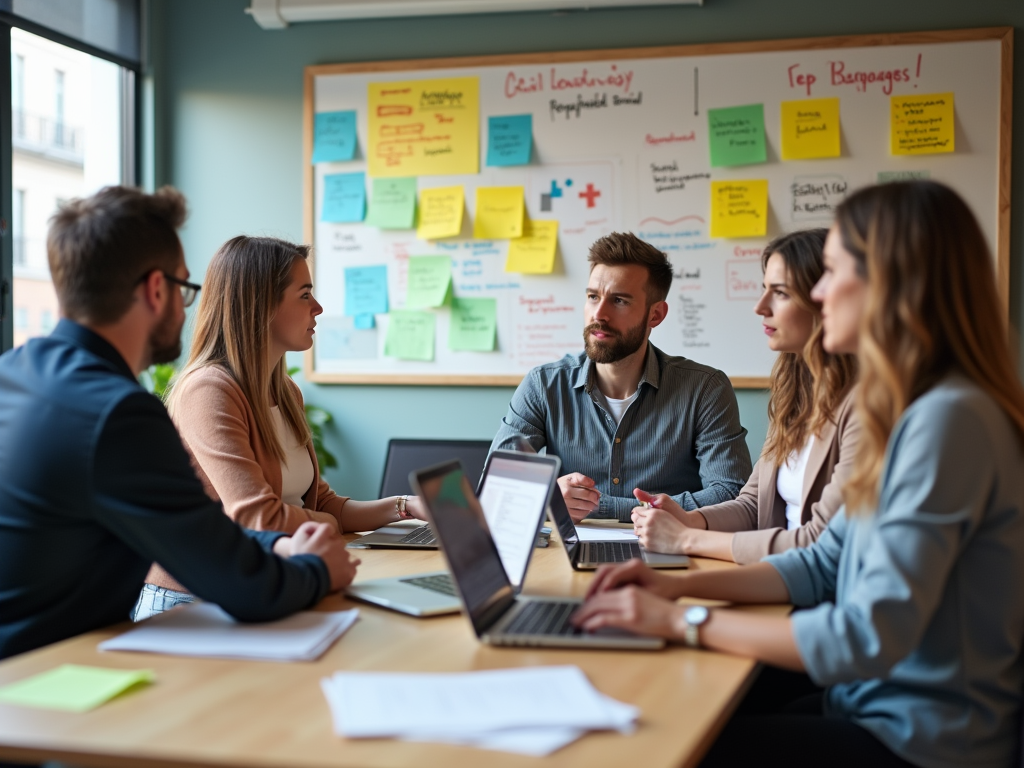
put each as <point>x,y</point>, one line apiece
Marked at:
<point>590,193</point>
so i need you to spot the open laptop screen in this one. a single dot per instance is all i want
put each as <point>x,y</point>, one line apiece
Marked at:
<point>461,530</point>
<point>514,492</point>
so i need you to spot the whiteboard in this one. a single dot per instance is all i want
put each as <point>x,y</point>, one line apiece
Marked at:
<point>642,145</point>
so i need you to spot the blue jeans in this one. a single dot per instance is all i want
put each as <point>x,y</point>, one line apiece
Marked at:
<point>153,600</point>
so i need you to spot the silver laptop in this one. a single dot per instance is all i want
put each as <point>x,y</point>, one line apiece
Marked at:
<point>498,615</point>
<point>514,490</point>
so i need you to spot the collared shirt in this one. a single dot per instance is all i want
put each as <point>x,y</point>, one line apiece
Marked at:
<point>681,436</point>
<point>95,486</point>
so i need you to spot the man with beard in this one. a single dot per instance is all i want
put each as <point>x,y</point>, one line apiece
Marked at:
<point>624,415</point>
<point>95,484</point>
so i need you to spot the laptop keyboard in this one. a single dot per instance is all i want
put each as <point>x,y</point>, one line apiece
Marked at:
<point>542,617</point>
<point>422,535</point>
<point>441,582</point>
<point>610,551</point>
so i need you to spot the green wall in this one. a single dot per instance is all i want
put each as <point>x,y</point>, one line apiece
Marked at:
<point>224,125</point>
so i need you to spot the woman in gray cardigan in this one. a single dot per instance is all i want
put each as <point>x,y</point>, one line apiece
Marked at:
<point>812,436</point>
<point>913,598</point>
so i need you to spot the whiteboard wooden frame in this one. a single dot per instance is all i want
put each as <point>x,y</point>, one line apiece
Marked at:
<point>1003,34</point>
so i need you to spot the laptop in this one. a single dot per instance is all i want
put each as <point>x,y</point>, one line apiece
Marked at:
<point>514,490</point>
<point>588,555</point>
<point>497,614</point>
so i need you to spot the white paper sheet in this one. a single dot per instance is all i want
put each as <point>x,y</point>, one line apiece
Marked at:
<point>601,533</point>
<point>204,629</point>
<point>532,711</point>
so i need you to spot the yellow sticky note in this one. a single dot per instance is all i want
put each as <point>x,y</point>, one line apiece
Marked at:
<point>810,128</point>
<point>499,213</point>
<point>739,208</point>
<point>922,124</point>
<point>534,252</point>
<point>424,127</point>
<point>73,687</point>
<point>440,213</point>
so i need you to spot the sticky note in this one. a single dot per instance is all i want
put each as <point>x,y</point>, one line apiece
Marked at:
<point>739,208</point>
<point>424,127</point>
<point>344,197</point>
<point>474,325</point>
<point>392,204</point>
<point>410,336</point>
<point>429,281</point>
<point>73,687</point>
<point>922,124</point>
<point>509,140</point>
<point>366,294</point>
<point>440,213</point>
<point>534,252</point>
<point>499,213</point>
<point>885,177</point>
<point>810,128</point>
<point>736,135</point>
<point>334,136</point>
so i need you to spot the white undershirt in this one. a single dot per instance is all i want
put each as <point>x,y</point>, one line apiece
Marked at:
<point>618,407</point>
<point>790,483</point>
<point>297,468</point>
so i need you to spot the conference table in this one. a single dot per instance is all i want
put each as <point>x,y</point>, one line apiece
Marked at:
<point>249,714</point>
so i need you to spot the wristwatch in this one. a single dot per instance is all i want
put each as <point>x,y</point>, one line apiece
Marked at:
<point>400,502</point>
<point>695,616</point>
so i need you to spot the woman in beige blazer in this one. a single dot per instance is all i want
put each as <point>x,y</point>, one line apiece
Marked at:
<point>795,488</point>
<point>239,414</point>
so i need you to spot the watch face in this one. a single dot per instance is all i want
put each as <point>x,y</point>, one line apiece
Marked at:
<point>696,615</point>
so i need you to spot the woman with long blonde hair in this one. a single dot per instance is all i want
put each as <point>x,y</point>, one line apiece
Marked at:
<point>913,598</point>
<point>794,489</point>
<point>241,416</point>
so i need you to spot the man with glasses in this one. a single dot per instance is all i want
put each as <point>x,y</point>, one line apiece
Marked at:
<point>95,484</point>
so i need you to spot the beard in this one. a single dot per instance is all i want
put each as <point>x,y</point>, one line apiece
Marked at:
<point>619,346</point>
<point>165,340</point>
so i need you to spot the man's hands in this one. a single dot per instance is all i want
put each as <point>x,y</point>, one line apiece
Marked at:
<point>324,541</point>
<point>580,494</point>
<point>633,597</point>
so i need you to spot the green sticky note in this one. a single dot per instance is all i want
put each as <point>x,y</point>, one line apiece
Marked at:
<point>429,281</point>
<point>884,177</point>
<point>474,325</point>
<point>410,336</point>
<point>736,135</point>
<point>393,204</point>
<point>73,687</point>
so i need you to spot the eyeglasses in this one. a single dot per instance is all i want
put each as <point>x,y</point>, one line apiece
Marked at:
<point>188,290</point>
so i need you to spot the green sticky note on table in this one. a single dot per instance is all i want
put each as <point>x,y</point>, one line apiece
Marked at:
<point>410,336</point>
<point>736,135</point>
<point>474,325</point>
<point>429,281</point>
<point>393,204</point>
<point>73,688</point>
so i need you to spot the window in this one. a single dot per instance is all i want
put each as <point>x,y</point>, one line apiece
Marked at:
<point>18,225</point>
<point>46,321</point>
<point>21,319</point>
<point>18,94</point>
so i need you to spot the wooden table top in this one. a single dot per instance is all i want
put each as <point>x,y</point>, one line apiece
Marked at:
<point>248,714</point>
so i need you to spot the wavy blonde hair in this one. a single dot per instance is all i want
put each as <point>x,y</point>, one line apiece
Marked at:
<point>807,387</point>
<point>932,308</point>
<point>243,287</point>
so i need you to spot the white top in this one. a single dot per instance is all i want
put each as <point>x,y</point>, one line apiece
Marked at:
<point>297,468</point>
<point>619,407</point>
<point>790,483</point>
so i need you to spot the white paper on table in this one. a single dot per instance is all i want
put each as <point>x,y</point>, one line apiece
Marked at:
<point>528,710</point>
<point>205,629</point>
<point>605,534</point>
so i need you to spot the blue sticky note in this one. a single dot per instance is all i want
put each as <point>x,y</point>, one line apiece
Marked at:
<point>509,139</point>
<point>334,136</point>
<point>366,294</point>
<point>344,197</point>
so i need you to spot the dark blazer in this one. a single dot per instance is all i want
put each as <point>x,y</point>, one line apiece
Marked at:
<point>95,486</point>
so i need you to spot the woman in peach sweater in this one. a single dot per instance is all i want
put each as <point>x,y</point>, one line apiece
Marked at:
<point>240,415</point>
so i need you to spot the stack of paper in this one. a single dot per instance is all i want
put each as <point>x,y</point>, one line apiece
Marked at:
<point>603,533</point>
<point>204,629</point>
<point>532,711</point>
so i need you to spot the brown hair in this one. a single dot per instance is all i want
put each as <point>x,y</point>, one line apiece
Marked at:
<point>620,248</point>
<point>806,387</point>
<point>243,287</point>
<point>100,247</point>
<point>932,308</point>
